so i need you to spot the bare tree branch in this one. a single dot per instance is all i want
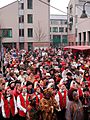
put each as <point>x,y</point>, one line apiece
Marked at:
<point>39,33</point>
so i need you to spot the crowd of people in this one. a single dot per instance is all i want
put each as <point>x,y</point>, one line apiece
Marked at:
<point>45,84</point>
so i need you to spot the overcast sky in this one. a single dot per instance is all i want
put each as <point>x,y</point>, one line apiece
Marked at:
<point>60,4</point>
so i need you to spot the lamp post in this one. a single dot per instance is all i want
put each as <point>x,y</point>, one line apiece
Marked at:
<point>84,15</point>
<point>1,51</point>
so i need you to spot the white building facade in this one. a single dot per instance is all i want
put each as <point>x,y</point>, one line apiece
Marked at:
<point>58,30</point>
<point>25,24</point>
<point>78,28</point>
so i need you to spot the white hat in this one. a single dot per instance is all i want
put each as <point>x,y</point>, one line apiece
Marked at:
<point>51,80</point>
<point>48,74</point>
<point>21,63</point>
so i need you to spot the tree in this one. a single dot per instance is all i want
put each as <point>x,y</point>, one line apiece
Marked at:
<point>39,33</point>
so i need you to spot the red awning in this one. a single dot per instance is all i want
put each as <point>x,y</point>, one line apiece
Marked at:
<point>82,48</point>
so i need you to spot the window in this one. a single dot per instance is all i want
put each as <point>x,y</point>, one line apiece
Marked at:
<point>70,26</point>
<point>71,19</point>
<point>30,32</point>
<point>64,36</point>
<point>76,32</point>
<point>50,29</point>
<point>64,39</point>
<point>89,37</point>
<point>66,29</point>
<point>79,38</point>
<point>29,4</point>
<point>65,22</point>
<point>21,19</point>
<point>21,46</point>
<point>21,32</point>
<point>30,46</point>
<point>61,22</point>
<point>50,37</point>
<point>30,18</point>
<point>71,6</point>
<point>57,38</point>
<point>55,29</point>
<point>76,18</point>
<point>7,33</point>
<point>54,22</point>
<point>61,29</point>
<point>22,6</point>
<point>84,37</point>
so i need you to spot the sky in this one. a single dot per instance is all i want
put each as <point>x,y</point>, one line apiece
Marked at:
<point>60,4</point>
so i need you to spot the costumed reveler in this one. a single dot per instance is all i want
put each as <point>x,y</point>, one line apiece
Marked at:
<point>48,105</point>
<point>33,111</point>
<point>8,105</point>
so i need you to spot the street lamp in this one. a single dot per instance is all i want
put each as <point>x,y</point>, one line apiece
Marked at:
<point>1,50</point>
<point>84,15</point>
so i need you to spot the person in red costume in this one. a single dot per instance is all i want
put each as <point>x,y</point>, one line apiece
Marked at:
<point>22,103</point>
<point>61,98</point>
<point>8,105</point>
<point>17,89</point>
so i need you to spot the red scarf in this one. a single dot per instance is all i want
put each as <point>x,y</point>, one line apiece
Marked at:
<point>62,99</point>
<point>80,92</point>
<point>23,102</point>
<point>37,99</point>
<point>7,108</point>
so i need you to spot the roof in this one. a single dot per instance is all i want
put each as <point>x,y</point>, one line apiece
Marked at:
<point>9,4</point>
<point>58,17</point>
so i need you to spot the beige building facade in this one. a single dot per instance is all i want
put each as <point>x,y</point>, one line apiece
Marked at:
<point>78,28</point>
<point>58,30</point>
<point>25,24</point>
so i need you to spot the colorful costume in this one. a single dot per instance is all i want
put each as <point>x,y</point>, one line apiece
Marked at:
<point>33,109</point>
<point>48,105</point>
